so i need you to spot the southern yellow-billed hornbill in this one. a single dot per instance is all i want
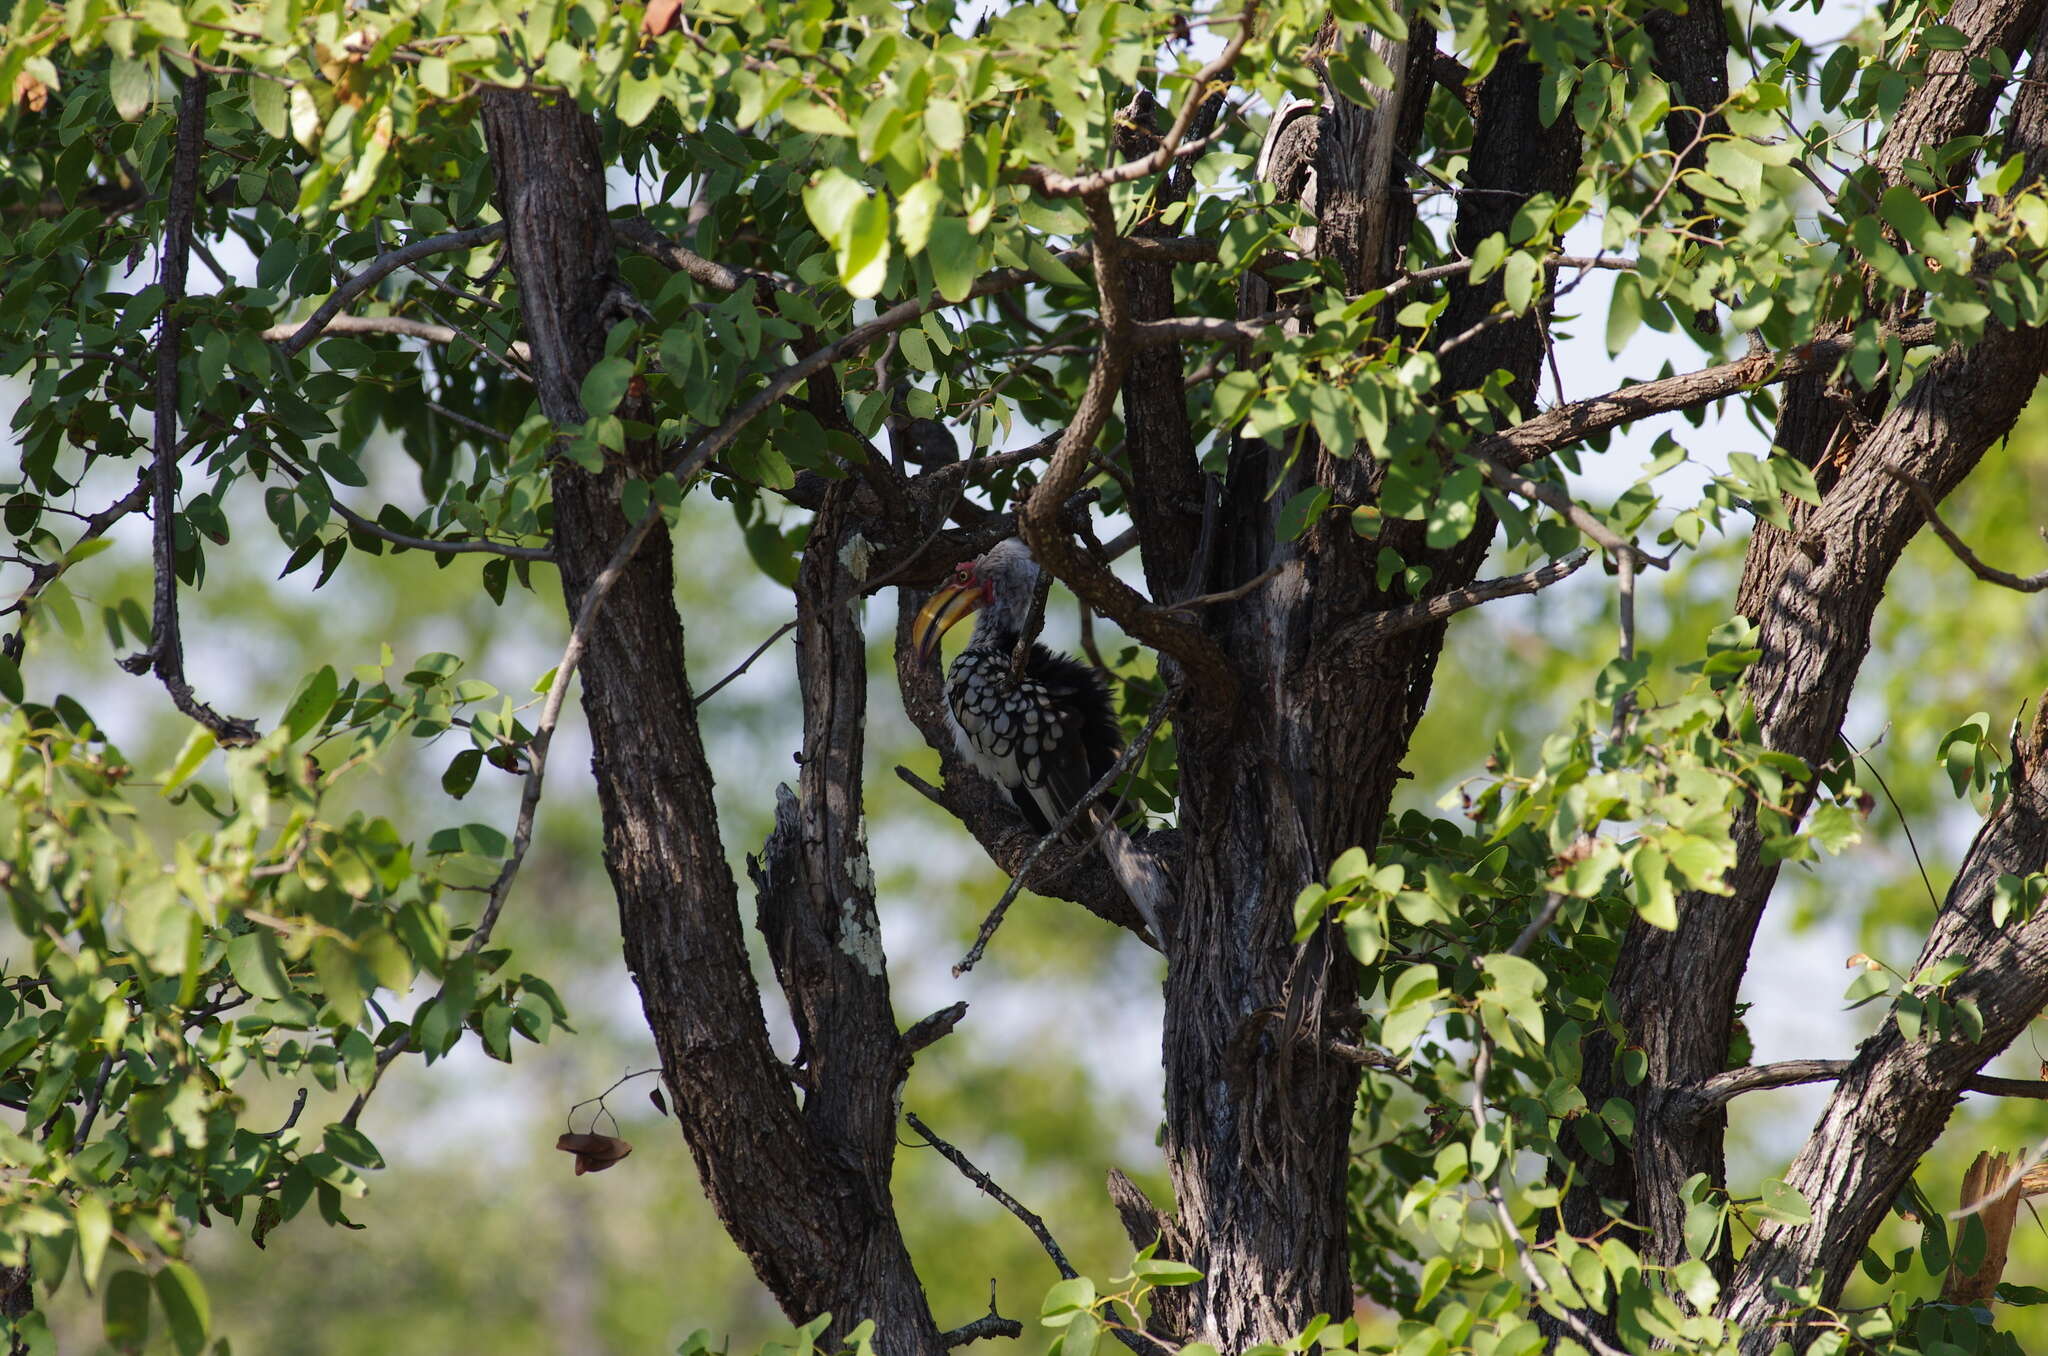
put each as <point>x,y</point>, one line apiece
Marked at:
<point>1045,736</point>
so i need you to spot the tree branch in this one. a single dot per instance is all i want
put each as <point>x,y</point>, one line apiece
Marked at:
<point>990,1324</point>
<point>399,325</point>
<point>41,574</point>
<point>640,234</point>
<point>1893,1099</point>
<point>1378,626</point>
<point>1988,573</point>
<point>988,1187</point>
<point>1726,1087</point>
<point>1055,185</point>
<point>930,1030</point>
<point>1038,521</point>
<point>380,268</point>
<point>166,652</point>
<point>434,545</point>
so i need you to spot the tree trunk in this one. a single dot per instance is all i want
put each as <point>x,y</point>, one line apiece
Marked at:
<point>804,1191</point>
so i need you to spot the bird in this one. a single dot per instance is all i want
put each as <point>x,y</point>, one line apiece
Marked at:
<point>1047,735</point>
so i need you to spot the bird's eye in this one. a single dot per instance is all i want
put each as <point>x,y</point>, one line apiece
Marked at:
<point>961,574</point>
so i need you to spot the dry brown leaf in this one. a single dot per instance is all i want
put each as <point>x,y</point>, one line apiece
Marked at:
<point>594,1153</point>
<point>31,91</point>
<point>661,16</point>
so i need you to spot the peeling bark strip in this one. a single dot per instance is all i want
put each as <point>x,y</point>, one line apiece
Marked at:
<point>803,1191</point>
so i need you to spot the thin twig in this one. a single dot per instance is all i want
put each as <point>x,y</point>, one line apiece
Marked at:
<point>382,267</point>
<point>1256,582</point>
<point>476,426</point>
<point>1561,502</point>
<point>988,1187</point>
<point>435,545</point>
<point>1912,844</point>
<point>1125,761</point>
<point>1376,626</point>
<point>92,1104</point>
<point>777,634</point>
<point>290,1120</point>
<point>42,573</point>
<point>1990,574</point>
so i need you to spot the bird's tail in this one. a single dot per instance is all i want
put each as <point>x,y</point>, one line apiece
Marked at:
<point>1137,871</point>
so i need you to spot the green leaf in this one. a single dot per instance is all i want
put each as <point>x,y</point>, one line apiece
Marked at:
<point>808,116</point>
<point>126,1307</point>
<point>1515,975</point>
<point>461,773</point>
<point>944,124</point>
<point>916,210</point>
<point>1300,513</point>
<point>1084,1330</point>
<point>1435,1272</point>
<point>830,200</point>
<point>1624,312</point>
<point>256,965</point>
<point>266,101</point>
<point>605,385</point>
<point>638,96</point>
<point>351,1146</point>
<point>1703,1226</point>
<point>1066,1299</point>
<point>95,1228</point>
<point>1519,282</point>
<point>132,84</point>
<point>1655,899</point>
<point>185,1307</point>
<point>1901,206</point>
<point>10,680</point>
<point>864,254</point>
<point>1404,1026</point>
<point>1162,1271</point>
<point>1836,73</point>
<point>955,257</point>
<point>1782,1204</point>
<point>310,706</point>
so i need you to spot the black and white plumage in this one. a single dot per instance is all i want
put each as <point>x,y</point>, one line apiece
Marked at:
<point>1045,736</point>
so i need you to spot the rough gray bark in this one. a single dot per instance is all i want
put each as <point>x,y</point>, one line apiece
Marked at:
<point>803,1190</point>
<point>1896,1097</point>
<point>1814,593</point>
<point>1291,747</point>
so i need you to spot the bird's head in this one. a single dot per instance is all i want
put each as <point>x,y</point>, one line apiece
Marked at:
<point>1001,581</point>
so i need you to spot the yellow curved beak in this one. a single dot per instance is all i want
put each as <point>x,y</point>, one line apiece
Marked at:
<point>940,613</point>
